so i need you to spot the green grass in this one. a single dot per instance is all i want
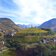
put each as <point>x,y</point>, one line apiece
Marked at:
<point>31,30</point>
<point>31,35</point>
<point>7,53</point>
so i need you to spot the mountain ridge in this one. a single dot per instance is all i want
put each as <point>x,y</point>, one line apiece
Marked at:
<point>50,24</point>
<point>8,24</point>
<point>28,26</point>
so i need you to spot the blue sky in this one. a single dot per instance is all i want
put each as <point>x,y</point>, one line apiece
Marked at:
<point>28,11</point>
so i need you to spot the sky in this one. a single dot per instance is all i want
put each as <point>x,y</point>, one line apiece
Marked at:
<point>28,11</point>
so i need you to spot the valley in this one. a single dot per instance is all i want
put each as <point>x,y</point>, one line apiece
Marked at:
<point>33,41</point>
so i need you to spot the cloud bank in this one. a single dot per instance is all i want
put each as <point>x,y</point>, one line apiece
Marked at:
<point>28,11</point>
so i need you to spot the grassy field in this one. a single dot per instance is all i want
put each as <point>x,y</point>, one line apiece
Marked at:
<point>7,53</point>
<point>32,30</point>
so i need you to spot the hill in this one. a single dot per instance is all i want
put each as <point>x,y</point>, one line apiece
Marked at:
<point>32,30</point>
<point>29,35</point>
<point>51,24</point>
<point>7,24</point>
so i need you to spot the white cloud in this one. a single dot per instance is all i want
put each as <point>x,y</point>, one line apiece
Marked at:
<point>44,10</point>
<point>32,11</point>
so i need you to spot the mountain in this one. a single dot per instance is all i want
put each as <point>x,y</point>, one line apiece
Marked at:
<point>51,24</point>
<point>28,26</point>
<point>23,26</point>
<point>7,24</point>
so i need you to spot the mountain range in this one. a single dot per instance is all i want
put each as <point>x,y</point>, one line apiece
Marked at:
<point>28,26</point>
<point>8,24</point>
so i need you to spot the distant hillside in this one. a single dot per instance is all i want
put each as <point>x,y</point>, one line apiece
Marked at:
<point>51,24</point>
<point>30,35</point>
<point>7,24</point>
<point>32,30</point>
